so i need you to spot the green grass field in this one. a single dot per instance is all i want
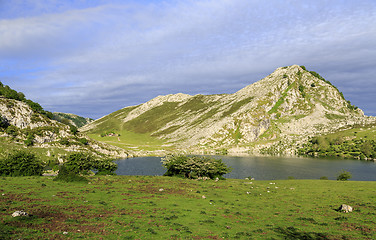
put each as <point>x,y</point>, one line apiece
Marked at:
<point>132,141</point>
<point>145,207</point>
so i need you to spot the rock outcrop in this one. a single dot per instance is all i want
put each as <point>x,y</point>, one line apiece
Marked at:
<point>275,114</point>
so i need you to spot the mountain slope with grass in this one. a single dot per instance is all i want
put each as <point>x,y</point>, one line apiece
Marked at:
<point>25,124</point>
<point>71,119</point>
<point>274,115</point>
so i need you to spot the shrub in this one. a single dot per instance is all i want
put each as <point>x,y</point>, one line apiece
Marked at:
<point>104,167</point>
<point>194,167</point>
<point>67,176</point>
<point>344,176</point>
<point>83,163</point>
<point>3,122</point>
<point>79,163</point>
<point>323,178</point>
<point>21,163</point>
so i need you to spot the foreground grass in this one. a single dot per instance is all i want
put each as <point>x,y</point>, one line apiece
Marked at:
<point>143,207</point>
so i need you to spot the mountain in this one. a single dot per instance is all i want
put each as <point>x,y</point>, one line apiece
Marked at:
<point>69,118</point>
<point>24,123</point>
<point>274,115</point>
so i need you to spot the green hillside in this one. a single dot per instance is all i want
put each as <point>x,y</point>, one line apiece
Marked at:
<point>274,115</point>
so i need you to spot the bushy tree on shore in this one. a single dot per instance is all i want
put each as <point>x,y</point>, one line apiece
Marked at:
<point>194,166</point>
<point>21,163</point>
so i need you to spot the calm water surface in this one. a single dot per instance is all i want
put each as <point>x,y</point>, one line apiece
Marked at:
<point>264,168</point>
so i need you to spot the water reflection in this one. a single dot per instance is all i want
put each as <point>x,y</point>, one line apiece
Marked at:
<point>264,168</point>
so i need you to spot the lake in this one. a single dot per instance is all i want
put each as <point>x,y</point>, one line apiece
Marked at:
<point>265,168</point>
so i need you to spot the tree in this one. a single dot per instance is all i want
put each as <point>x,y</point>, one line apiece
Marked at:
<point>344,176</point>
<point>21,163</point>
<point>194,166</point>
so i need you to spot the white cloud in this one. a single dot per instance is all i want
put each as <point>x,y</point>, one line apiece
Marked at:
<point>107,55</point>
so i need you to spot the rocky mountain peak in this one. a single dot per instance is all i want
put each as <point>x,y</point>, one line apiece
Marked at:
<point>291,103</point>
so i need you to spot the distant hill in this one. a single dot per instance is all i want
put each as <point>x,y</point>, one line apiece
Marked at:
<point>274,115</point>
<point>69,118</point>
<point>24,123</point>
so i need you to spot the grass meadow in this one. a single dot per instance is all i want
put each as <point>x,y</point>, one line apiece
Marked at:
<point>155,207</point>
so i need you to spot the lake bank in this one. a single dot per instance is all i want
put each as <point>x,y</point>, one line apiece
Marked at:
<point>265,168</point>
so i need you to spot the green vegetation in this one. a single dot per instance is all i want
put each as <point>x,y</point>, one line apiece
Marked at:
<point>194,167</point>
<point>281,99</point>
<point>65,118</point>
<point>9,93</point>
<point>21,163</point>
<point>144,207</point>
<point>358,143</point>
<point>236,106</point>
<point>344,176</point>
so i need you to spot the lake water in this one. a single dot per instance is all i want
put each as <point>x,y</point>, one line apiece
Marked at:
<point>264,168</point>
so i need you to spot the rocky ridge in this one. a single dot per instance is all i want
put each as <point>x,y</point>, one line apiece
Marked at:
<point>273,115</point>
<point>23,126</point>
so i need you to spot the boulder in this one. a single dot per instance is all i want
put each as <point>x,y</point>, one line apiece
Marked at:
<point>20,214</point>
<point>345,208</point>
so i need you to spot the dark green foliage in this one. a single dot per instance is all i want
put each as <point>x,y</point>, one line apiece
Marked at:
<point>67,176</point>
<point>79,163</point>
<point>304,68</point>
<point>3,122</point>
<point>194,166</point>
<point>73,129</point>
<point>29,140</point>
<point>83,141</point>
<point>67,118</point>
<point>294,233</point>
<point>355,148</point>
<point>12,130</point>
<point>64,141</point>
<point>344,176</point>
<point>9,93</point>
<point>83,163</point>
<point>21,163</point>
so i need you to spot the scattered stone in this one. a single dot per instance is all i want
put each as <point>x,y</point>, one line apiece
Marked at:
<point>203,197</point>
<point>161,189</point>
<point>20,214</point>
<point>345,208</point>
<point>217,179</point>
<point>65,233</point>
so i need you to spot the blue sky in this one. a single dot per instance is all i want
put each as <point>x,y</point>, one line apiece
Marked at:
<point>94,57</point>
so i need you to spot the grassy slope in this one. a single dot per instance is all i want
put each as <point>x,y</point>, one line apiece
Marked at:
<point>134,207</point>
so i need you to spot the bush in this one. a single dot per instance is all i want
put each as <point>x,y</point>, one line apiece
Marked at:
<point>21,163</point>
<point>67,176</point>
<point>344,176</point>
<point>83,163</point>
<point>194,167</point>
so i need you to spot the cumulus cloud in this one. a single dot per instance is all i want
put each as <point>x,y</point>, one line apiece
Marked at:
<point>95,58</point>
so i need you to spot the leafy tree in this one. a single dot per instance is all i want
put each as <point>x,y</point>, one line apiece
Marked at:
<point>194,166</point>
<point>73,129</point>
<point>83,163</point>
<point>344,176</point>
<point>3,122</point>
<point>21,163</point>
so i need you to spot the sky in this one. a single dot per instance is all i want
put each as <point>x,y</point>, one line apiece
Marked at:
<point>93,57</point>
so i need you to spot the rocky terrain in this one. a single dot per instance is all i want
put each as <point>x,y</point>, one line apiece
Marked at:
<point>22,126</point>
<point>274,115</point>
<point>72,119</point>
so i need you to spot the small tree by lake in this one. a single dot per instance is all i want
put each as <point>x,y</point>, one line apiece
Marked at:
<point>344,176</point>
<point>194,167</point>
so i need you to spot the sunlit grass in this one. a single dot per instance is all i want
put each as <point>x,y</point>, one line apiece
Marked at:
<point>143,207</point>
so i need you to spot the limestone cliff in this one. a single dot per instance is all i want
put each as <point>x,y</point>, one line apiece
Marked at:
<point>275,113</point>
